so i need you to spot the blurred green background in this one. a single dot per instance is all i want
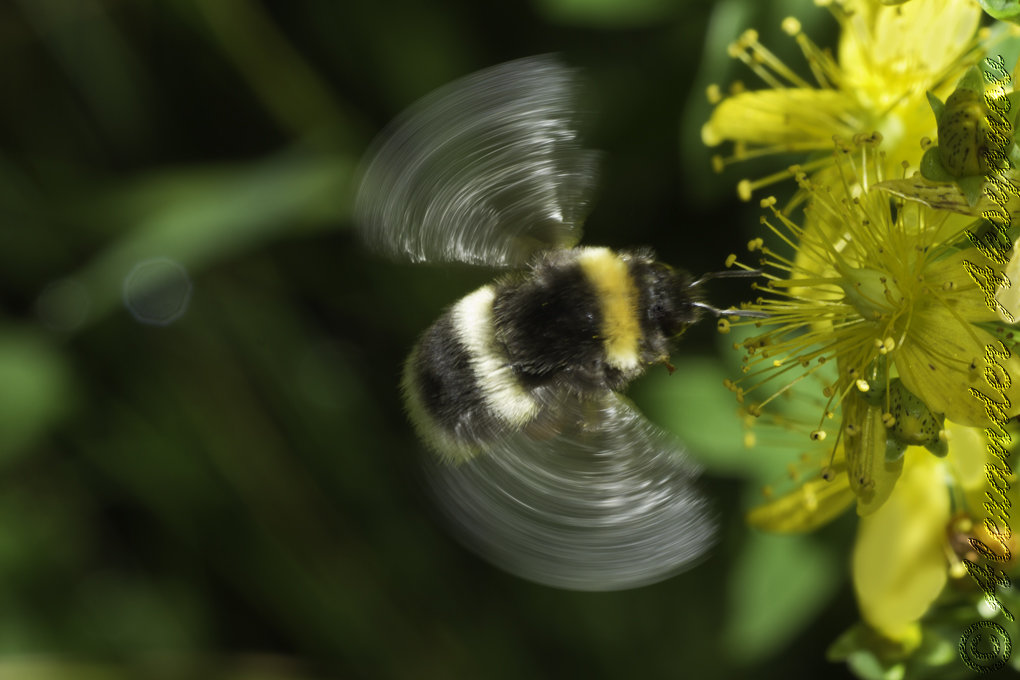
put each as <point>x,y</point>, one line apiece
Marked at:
<point>213,477</point>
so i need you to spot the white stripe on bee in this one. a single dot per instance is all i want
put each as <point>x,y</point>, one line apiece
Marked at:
<point>618,301</point>
<point>503,393</point>
<point>435,436</point>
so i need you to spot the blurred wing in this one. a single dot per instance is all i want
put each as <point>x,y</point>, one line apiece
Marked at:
<point>485,170</point>
<point>606,503</point>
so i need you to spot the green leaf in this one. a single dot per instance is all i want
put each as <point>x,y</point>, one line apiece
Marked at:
<point>932,168</point>
<point>694,405</point>
<point>972,80</point>
<point>937,105</point>
<point>36,389</point>
<point>972,188</point>
<point>606,13</point>
<point>866,666</point>
<point>1005,10</point>
<point>768,607</point>
<point>198,217</point>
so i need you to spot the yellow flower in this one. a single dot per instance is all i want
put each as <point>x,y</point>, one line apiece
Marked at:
<point>888,57</point>
<point>879,288</point>
<point>906,551</point>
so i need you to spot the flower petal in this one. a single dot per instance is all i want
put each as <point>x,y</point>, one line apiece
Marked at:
<point>793,118</point>
<point>910,44</point>
<point>943,358</point>
<point>899,566</point>
<point>967,299</point>
<point>811,505</point>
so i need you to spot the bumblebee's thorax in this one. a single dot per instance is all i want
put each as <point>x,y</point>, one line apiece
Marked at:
<point>590,318</point>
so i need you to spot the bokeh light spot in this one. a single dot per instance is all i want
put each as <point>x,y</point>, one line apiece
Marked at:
<point>157,291</point>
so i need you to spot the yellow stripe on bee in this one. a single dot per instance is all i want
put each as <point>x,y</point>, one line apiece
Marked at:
<point>618,301</point>
<point>503,393</point>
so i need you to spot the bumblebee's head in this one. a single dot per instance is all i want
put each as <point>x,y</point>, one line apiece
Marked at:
<point>673,299</point>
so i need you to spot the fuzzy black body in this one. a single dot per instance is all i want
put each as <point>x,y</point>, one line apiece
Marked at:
<point>581,321</point>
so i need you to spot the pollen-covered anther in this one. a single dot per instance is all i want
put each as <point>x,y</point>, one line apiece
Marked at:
<point>714,93</point>
<point>869,138</point>
<point>889,420</point>
<point>731,260</point>
<point>862,385</point>
<point>755,244</point>
<point>723,326</point>
<point>754,410</point>
<point>745,189</point>
<point>828,474</point>
<point>791,26</point>
<point>767,202</point>
<point>817,435</point>
<point>925,143</point>
<point>885,346</point>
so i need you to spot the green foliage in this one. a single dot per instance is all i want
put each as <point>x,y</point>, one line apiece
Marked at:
<point>768,610</point>
<point>37,390</point>
<point>1006,10</point>
<point>606,13</point>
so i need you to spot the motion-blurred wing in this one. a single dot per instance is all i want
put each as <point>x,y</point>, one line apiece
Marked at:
<point>485,170</point>
<point>607,503</point>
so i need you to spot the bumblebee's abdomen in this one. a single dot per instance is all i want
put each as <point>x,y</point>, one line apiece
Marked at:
<point>459,386</point>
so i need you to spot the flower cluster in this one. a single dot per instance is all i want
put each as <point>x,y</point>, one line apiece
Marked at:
<point>889,58</point>
<point>887,290</point>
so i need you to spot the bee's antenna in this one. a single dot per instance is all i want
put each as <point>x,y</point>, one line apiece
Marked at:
<point>727,274</point>
<point>751,313</point>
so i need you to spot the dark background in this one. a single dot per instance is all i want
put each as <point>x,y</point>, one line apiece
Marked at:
<point>235,493</point>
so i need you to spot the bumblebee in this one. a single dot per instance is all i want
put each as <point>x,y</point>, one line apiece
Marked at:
<point>539,462</point>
